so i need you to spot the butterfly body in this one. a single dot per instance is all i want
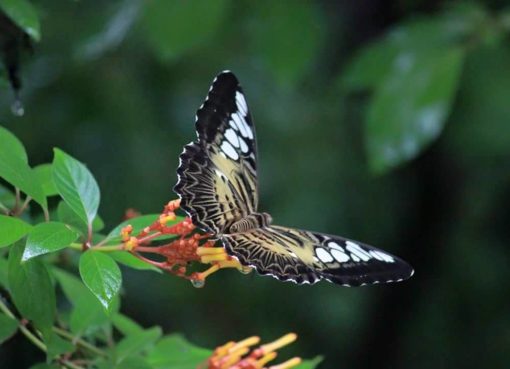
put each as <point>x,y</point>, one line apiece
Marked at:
<point>251,222</point>
<point>217,185</point>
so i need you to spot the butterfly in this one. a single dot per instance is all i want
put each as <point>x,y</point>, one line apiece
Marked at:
<point>217,185</point>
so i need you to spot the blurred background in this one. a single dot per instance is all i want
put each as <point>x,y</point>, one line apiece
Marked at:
<point>386,122</point>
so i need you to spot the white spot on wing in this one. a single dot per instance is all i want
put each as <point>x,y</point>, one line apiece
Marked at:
<point>376,255</point>
<point>244,147</point>
<point>243,125</point>
<point>340,256</point>
<point>248,129</point>
<point>241,103</point>
<point>355,249</point>
<point>335,245</point>
<point>231,136</point>
<point>237,123</point>
<point>323,255</point>
<point>379,255</point>
<point>229,150</point>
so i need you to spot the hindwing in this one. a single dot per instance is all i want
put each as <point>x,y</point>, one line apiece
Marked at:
<point>306,257</point>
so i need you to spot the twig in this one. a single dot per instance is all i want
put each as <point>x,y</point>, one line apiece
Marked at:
<point>4,209</point>
<point>36,341</point>
<point>79,341</point>
<point>46,214</point>
<point>79,246</point>
<point>32,338</point>
<point>16,204</point>
<point>24,206</point>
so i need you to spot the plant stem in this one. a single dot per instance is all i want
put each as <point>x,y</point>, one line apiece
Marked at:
<point>4,209</point>
<point>36,341</point>
<point>46,214</point>
<point>16,205</point>
<point>79,341</point>
<point>71,365</point>
<point>24,206</point>
<point>89,231</point>
<point>108,248</point>
<point>149,237</point>
<point>79,246</point>
<point>76,246</point>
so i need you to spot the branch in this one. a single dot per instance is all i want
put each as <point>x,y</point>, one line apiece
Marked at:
<point>31,337</point>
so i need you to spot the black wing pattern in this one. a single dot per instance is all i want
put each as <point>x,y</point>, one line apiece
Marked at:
<point>217,174</point>
<point>307,257</point>
<point>217,184</point>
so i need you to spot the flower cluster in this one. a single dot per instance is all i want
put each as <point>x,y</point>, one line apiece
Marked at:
<point>237,355</point>
<point>189,246</point>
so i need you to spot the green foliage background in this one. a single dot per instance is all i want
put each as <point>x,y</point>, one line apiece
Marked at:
<point>386,123</point>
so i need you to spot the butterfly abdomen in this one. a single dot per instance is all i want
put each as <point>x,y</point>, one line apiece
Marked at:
<point>252,221</point>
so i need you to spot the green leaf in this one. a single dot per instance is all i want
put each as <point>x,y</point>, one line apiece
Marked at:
<point>136,343</point>
<point>310,364</point>
<point>10,142</point>
<point>134,362</point>
<point>57,346</point>
<point>131,362</point>
<point>97,224</point>
<point>422,35</point>
<point>370,65</point>
<point>66,215</point>
<point>76,185</point>
<point>175,352</point>
<point>128,259</point>
<point>138,224</point>
<point>12,229</point>
<point>174,28</point>
<point>288,38</point>
<point>86,320</point>
<point>88,314</point>
<point>44,173</point>
<point>15,170</point>
<point>3,273</point>
<point>48,237</point>
<point>125,325</point>
<point>8,327</point>
<point>410,108</point>
<point>31,289</point>
<point>101,275</point>
<point>23,13</point>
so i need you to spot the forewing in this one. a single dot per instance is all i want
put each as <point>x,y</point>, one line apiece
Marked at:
<point>217,174</point>
<point>306,257</point>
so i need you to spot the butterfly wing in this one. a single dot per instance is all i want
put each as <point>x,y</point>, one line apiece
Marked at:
<point>306,257</point>
<point>217,174</point>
